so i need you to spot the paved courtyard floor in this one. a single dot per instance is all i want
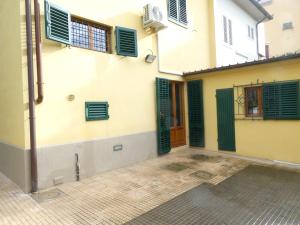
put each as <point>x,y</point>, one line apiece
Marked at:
<point>117,196</point>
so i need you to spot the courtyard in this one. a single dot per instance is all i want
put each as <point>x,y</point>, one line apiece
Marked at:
<point>188,186</point>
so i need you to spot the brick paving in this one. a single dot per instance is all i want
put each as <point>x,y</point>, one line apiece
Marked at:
<point>117,196</point>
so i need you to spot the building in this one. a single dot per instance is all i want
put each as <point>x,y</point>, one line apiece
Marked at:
<point>283,32</point>
<point>102,102</point>
<point>239,31</point>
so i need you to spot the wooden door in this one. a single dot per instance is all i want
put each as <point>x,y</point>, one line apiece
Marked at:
<point>178,135</point>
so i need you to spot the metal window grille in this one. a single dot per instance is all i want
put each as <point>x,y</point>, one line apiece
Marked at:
<point>89,35</point>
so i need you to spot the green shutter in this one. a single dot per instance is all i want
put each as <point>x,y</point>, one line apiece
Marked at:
<point>163,116</point>
<point>225,118</point>
<point>126,41</point>
<point>173,9</point>
<point>281,100</point>
<point>182,12</point>
<point>196,115</point>
<point>96,111</point>
<point>57,23</point>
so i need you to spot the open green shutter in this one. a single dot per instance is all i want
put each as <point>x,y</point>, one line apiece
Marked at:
<point>173,9</point>
<point>281,100</point>
<point>163,116</point>
<point>182,12</point>
<point>126,41</point>
<point>57,23</point>
<point>196,113</point>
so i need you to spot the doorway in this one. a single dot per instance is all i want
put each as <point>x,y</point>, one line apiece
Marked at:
<point>177,120</point>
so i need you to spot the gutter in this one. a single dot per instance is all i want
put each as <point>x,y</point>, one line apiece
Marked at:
<point>257,36</point>
<point>38,47</point>
<point>31,101</point>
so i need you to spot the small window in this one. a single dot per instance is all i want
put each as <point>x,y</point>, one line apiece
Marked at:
<point>287,26</point>
<point>91,35</point>
<point>253,101</point>
<point>96,111</point>
<point>227,30</point>
<point>177,11</point>
<point>252,33</point>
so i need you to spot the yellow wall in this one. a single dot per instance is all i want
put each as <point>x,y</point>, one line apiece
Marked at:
<point>275,140</point>
<point>11,87</point>
<point>280,41</point>
<point>128,84</point>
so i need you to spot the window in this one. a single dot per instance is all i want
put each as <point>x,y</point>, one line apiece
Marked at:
<point>287,26</point>
<point>177,11</point>
<point>250,32</point>
<point>227,30</point>
<point>90,35</point>
<point>253,101</point>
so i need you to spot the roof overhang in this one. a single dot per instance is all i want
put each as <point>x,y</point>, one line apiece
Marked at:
<point>254,9</point>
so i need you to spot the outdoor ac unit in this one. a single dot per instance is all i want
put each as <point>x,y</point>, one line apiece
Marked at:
<point>153,17</point>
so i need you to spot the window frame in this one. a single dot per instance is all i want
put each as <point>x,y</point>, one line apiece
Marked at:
<point>259,90</point>
<point>90,23</point>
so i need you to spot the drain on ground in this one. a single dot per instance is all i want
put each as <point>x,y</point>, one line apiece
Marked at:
<point>200,157</point>
<point>176,167</point>
<point>48,195</point>
<point>202,175</point>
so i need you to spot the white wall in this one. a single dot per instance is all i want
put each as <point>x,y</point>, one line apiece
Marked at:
<point>243,48</point>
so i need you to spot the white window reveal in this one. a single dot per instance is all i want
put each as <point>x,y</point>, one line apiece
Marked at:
<point>227,30</point>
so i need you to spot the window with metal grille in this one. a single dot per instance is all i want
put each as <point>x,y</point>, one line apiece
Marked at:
<point>91,35</point>
<point>177,11</point>
<point>253,101</point>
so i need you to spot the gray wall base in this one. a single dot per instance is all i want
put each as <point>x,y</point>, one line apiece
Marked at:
<point>58,162</point>
<point>15,164</point>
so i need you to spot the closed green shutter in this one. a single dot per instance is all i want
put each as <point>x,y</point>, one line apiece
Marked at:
<point>57,24</point>
<point>126,41</point>
<point>196,114</point>
<point>225,118</point>
<point>182,12</point>
<point>281,100</point>
<point>163,116</point>
<point>173,9</point>
<point>96,111</point>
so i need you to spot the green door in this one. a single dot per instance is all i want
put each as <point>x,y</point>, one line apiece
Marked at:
<point>163,116</point>
<point>225,114</point>
<point>196,118</point>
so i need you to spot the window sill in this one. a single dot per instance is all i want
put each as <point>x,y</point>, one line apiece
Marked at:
<point>178,23</point>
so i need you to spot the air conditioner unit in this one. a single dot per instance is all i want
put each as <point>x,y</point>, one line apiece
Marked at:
<point>154,17</point>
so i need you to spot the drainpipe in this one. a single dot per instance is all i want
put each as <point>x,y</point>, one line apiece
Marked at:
<point>257,41</point>
<point>38,47</point>
<point>31,101</point>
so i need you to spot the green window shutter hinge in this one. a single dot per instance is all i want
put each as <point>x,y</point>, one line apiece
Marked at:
<point>96,111</point>
<point>126,42</point>
<point>57,23</point>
